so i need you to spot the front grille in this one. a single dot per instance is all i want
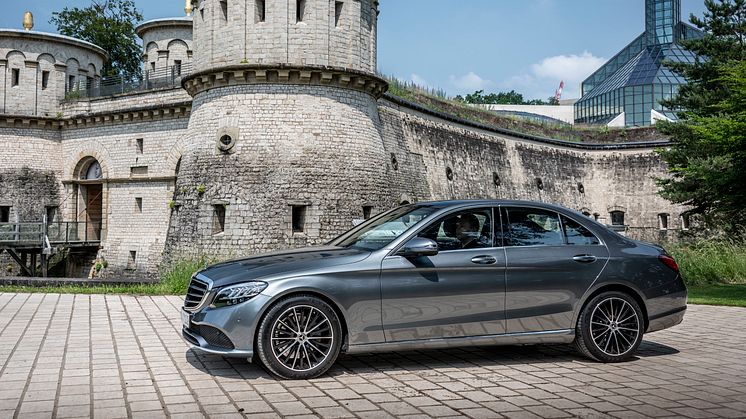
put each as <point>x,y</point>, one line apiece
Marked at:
<point>214,336</point>
<point>195,294</point>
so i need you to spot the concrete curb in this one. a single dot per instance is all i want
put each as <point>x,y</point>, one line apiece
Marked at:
<point>59,282</point>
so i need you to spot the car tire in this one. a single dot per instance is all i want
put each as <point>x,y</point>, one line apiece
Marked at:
<point>299,338</point>
<point>610,327</point>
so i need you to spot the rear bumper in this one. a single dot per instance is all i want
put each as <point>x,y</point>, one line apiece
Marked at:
<point>666,320</point>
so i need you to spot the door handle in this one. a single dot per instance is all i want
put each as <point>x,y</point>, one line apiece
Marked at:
<point>483,260</point>
<point>584,258</point>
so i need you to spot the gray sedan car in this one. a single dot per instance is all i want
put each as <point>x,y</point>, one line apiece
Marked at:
<point>439,275</point>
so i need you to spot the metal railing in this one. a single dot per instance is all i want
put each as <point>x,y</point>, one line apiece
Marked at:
<point>45,234</point>
<point>142,81</point>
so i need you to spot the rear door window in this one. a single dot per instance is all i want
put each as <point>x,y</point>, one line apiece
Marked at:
<point>577,235</point>
<point>533,227</point>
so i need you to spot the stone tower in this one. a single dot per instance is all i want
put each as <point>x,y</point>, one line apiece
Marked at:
<point>284,143</point>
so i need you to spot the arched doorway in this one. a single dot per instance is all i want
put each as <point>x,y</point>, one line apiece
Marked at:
<point>90,204</point>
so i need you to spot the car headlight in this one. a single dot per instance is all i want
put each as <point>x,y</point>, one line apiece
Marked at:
<point>237,294</point>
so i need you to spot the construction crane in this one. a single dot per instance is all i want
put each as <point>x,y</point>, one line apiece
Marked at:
<point>558,93</point>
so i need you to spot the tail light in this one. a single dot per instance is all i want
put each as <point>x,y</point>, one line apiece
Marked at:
<point>670,262</point>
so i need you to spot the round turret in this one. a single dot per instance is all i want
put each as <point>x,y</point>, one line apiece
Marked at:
<point>338,33</point>
<point>38,70</point>
<point>167,45</point>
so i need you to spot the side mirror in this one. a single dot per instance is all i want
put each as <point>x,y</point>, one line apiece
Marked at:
<point>418,246</point>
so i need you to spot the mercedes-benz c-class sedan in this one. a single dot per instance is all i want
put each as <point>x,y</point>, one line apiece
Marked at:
<point>439,275</point>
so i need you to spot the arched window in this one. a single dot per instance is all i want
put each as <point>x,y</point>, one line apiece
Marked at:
<point>91,170</point>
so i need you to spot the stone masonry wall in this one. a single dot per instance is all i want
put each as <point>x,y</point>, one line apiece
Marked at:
<point>137,187</point>
<point>611,179</point>
<point>228,33</point>
<point>312,146</point>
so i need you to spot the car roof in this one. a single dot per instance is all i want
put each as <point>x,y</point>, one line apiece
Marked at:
<point>492,202</point>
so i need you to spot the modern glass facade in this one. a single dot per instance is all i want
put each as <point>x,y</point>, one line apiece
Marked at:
<point>635,80</point>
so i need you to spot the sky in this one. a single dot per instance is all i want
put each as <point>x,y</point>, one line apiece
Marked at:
<point>462,46</point>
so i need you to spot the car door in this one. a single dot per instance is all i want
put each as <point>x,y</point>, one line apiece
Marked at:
<point>459,292</point>
<point>551,261</point>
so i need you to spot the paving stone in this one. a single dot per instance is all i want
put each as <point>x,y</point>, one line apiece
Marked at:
<point>683,372</point>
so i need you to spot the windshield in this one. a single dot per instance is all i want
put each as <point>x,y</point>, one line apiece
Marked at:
<point>382,230</point>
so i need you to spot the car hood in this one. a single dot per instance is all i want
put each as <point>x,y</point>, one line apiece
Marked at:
<point>281,264</point>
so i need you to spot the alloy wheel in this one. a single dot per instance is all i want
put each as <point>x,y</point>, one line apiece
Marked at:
<point>615,326</point>
<point>302,338</point>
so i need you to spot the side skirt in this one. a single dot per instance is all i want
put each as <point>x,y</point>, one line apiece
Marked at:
<point>553,336</point>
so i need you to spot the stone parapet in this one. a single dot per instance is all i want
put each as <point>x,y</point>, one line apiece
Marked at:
<point>285,74</point>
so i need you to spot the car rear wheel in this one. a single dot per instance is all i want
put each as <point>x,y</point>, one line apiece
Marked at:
<point>299,338</point>
<point>610,327</point>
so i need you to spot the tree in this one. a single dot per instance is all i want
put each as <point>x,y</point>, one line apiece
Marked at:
<point>109,24</point>
<point>707,161</point>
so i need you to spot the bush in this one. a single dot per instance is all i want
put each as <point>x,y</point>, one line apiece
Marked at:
<point>175,280</point>
<point>711,262</point>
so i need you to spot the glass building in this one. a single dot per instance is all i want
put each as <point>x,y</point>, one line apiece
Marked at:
<point>627,90</point>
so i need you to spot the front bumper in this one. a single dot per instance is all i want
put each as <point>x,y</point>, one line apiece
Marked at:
<point>227,331</point>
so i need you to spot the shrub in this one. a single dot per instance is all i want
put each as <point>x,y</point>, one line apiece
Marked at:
<point>711,261</point>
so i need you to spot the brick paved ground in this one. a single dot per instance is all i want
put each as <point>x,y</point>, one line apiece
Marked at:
<point>119,356</point>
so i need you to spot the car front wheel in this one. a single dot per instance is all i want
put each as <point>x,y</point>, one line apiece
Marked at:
<point>299,338</point>
<point>610,327</point>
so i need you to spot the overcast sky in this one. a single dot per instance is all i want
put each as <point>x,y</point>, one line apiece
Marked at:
<point>466,45</point>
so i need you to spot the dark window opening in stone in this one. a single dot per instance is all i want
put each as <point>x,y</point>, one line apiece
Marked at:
<point>685,221</point>
<point>152,66</point>
<point>394,162</point>
<point>224,9</point>
<point>367,211</point>
<point>404,203</point>
<point>52,214</point>
<point>300,10</point>
<point>298,216</point>
<point>70,83</point>
<point>449,173</point>
<point>15,77</point>
<point>139,144</point>
<point>44,80</point>
<point>226,140</point>
<point>260,11</point>
<point>138,205</point>
<point>663,221</point>
<point>581,188</point>
<point>132,261</point>
<point>617,218</point>
<point>218,219</point>
<point>177,68</point>
<point>4,214</point>
<point>178,167</point>
<point>496,179</point>
<point>337,12</point>
<point>540,183</point>
<point>89,83</point>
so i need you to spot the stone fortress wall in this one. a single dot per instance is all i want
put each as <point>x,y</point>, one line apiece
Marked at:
<point>263,132</point>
